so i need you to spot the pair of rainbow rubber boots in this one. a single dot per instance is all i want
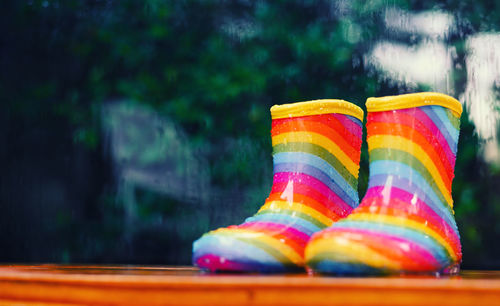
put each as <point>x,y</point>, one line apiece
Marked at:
<point>312,217</point>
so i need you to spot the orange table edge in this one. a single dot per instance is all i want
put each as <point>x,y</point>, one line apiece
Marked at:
<point>51,284</point>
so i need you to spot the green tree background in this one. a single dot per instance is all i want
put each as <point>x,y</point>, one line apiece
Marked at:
<point>75,72</point>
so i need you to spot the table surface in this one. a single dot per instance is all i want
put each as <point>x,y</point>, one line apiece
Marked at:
<point>51,284</point>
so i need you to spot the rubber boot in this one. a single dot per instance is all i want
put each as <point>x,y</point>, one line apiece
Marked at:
<point>405,222</point>
<point>316,151</point>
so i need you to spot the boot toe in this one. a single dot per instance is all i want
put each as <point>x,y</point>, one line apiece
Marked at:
<point>355,251</point>
<point>227,250</point>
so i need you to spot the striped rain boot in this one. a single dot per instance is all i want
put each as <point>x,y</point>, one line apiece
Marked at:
<point>316,151</point>
<point>405,222</point>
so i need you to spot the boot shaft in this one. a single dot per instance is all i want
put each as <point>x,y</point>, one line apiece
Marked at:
<point>412,150</point>
<point>316,151</point>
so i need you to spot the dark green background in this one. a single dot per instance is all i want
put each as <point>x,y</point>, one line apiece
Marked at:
<point>186,86</point>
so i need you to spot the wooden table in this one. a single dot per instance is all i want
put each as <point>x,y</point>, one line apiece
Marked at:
<point>154,285</point>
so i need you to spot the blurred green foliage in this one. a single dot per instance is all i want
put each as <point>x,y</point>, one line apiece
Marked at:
<point>214,68</point>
